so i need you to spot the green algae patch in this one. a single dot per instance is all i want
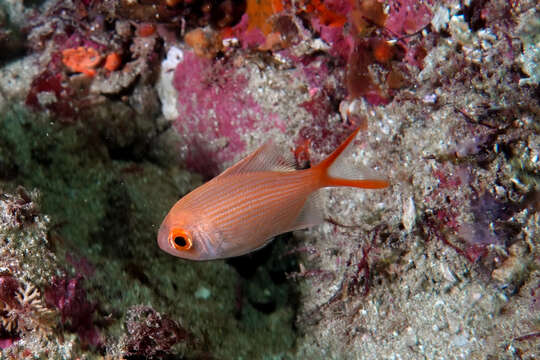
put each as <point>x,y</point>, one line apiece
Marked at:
<point>70,176</point>
<point>102,217</point>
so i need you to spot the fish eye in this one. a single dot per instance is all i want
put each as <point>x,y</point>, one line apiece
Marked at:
<point>180,240</point>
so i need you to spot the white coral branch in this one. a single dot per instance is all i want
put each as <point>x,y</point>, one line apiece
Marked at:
<point>29,313</point>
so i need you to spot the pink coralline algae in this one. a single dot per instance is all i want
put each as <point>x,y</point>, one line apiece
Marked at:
<point>215,110</point>
<point>320,133</point>
<point>7,342</point>
<point>249,38</point>
<point>341,43</point>
<point>407,17</point>
<point>69,297</point>
<point>329,22</point>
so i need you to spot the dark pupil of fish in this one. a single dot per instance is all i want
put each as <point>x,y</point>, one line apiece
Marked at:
<point>180,241</point>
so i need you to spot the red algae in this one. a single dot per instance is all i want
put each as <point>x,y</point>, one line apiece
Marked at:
<point>359,81</point>
<point>8,290</point>
<point>69,297</point>
<point>320,134</point>
<point>48,82</point>
<point>407,17</point>
<point>446,180</point>
<point>152,334</point>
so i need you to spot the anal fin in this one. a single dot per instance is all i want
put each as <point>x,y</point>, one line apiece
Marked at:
<point>312,212</point>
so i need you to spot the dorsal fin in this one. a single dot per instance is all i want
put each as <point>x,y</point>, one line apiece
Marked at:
<point>268,157</point>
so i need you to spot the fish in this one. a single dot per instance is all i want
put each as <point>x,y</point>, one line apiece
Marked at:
<point>261,196</point>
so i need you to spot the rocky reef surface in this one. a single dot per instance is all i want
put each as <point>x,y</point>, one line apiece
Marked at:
<point>111,110</point>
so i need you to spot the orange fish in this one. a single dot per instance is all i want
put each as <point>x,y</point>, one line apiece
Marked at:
<point>261,196</point>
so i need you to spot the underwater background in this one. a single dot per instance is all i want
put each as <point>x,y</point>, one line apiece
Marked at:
<point>112,110</point>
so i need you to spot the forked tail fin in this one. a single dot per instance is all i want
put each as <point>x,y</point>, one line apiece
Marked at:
<point>337,171</point>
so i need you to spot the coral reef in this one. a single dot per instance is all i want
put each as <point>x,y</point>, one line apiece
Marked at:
<point>150,334</point>
<point>25,264</point>
<point>111,110</point>
<point>22,308</point>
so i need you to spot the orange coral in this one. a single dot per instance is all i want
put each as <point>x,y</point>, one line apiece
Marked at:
<point>327,16</point>
<point>260,14</point>
<point>112,61</point>
<point>204,43</point>
<point>146,29</point>
<point>82,60</point>
<point>382,51</point>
